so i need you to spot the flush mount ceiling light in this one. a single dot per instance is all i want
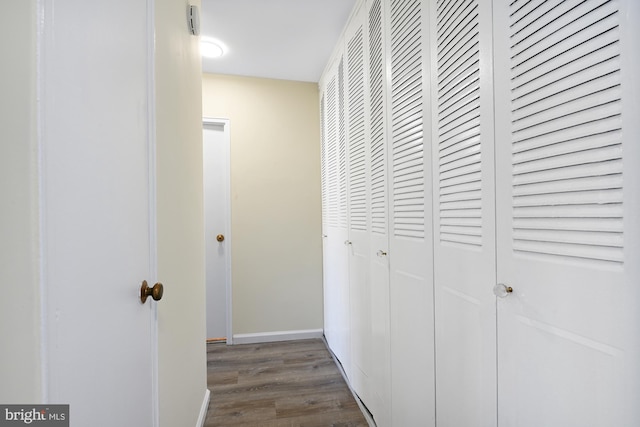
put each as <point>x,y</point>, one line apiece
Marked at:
<point>210,48</point>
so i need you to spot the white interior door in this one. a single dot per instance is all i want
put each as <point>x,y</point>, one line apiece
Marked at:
<point>334,216</point>
<point>567,213</point>
<point>378,285</point>
<point>464,213</point>
<point>410,254</point>
<point>97,211</point>
<point>359,212</point>
<point>217,228</point>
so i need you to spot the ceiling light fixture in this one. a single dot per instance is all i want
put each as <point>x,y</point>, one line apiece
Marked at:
<point>210,48</point>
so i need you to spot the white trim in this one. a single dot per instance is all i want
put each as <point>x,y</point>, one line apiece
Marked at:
<point>208,121</point>
<point>260,337</point>
<point>220,121</point>
<point>202,417</point>
<point>41,38</point>
<point>153,208</point>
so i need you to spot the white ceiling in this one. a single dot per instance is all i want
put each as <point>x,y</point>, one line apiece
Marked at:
<point>280,39</point>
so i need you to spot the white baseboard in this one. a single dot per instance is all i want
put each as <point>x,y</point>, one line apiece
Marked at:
<point>260,337</point>
<point>203,409</point>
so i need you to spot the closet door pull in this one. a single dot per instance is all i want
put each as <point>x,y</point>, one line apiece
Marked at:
<point>501,290</point>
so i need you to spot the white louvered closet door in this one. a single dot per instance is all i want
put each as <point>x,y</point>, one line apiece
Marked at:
<point>410,234</point>
<point>334,218</point>
<point>379,234</point>
<point>568,234</point>
<point>463,213</point>
<point>359,209</point>
<point>342,307</point>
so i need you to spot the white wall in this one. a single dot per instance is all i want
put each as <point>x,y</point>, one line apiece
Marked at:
<point>19,232</point>
<point>181,313</point>
<point>275,200</point>
<point>182,361</point>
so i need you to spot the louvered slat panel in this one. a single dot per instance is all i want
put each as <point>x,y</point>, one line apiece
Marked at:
<point>567,144</point>
<point>342,149</point>
<point>356,138</point>
<point>333,190</point>
<point>460,156</point>
<point>376,120</point>
<point>568,172</point>
<point>406,127</point>
<point>323,163</point>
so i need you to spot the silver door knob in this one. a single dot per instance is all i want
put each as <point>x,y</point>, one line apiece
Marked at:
<point>381,253</point>
<point>501,290</point>
<point>347,242</point>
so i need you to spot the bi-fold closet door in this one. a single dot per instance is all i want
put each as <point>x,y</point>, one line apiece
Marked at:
<point>334,213</point>
<point>511,174</point>
<point>535,190</point>
<point>390,358</point>
<point>462,140</point>
<point>568,234</point>
<point>356,313</point>
<point>410,235</point>
<point>367,241</point>
<point>420,168</point>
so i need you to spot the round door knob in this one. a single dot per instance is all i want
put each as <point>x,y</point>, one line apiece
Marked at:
<point>155,292</point>
<point>220,238</point>
<point>501,290</point>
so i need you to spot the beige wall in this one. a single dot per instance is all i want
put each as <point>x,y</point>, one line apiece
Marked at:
<point>275,200</point>
<point>19,239</point>
<point>181,313</point>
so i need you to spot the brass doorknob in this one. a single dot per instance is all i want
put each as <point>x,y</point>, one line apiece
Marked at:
<point>220,238</point>
<point>155,292</point>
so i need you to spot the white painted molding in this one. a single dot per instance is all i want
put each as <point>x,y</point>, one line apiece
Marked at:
<point>153,205</point>
<point>203,409</point>
<point>277,336</point>
<point>43,28</point>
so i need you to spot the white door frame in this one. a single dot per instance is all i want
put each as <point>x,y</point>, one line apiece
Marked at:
<point>153,207</point>
<point>209,121</point>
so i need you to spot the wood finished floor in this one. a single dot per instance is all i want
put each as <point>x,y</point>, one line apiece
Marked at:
<point>290,383</point>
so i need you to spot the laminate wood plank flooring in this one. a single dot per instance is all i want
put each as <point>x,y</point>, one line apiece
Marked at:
<point>280,384</point>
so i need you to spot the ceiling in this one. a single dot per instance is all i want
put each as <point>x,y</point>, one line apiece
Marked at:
<point>279,39</point>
